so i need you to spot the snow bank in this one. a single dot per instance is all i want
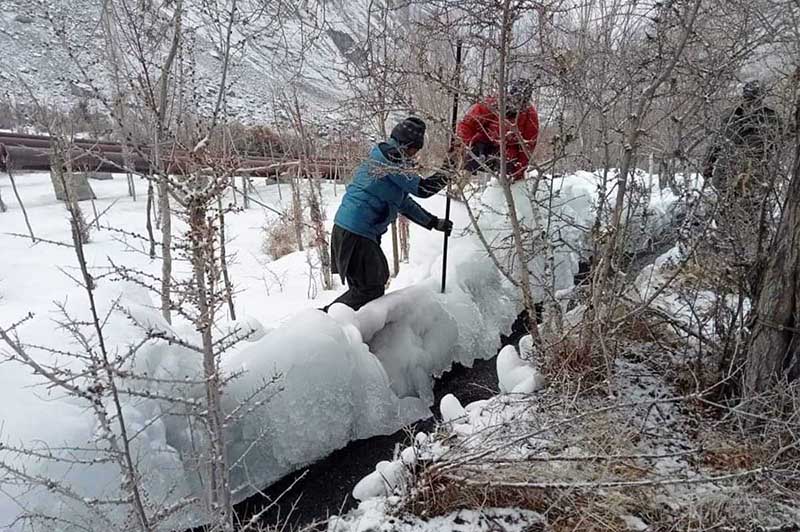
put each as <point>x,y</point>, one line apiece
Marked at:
<point>352,375</point>
<point>572,215</point>
<point>697,309</point>
<point>339,377</point>
<point>342,376</point>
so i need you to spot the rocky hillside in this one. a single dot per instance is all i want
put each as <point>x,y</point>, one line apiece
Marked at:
<point>304,45</point>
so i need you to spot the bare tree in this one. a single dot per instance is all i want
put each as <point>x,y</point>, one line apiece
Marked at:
<point>631,144</point>
<point>102,370</point>
<point>6,162</point>
<point>314,195</point>
<point>774,350</point>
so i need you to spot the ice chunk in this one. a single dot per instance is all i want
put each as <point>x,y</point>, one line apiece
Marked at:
<point>534,381</point>
<point>515,375</point>
<point>247,328</point>
<point>526,349</point>
<point>370,486</point>
<point>343,314</point>
<point>409,456</point>
<point>634,523</point>
<point>387,477</point>
<point>451,409</point>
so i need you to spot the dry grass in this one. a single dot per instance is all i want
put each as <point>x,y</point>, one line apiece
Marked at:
<point>278,238</point>
<point>563,511</point>
<point>749,470</point>
<point>567,363</point>
<point>615,438</point>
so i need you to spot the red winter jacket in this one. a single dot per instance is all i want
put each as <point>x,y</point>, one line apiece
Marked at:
<point>481,124</point>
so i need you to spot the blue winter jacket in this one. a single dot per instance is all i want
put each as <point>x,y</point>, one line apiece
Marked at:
<point>379,191</point>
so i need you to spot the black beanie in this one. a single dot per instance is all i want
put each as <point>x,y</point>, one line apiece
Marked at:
<point>410,133</point>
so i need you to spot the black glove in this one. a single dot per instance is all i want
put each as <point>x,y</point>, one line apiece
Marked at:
<point>440,224</point>
<point>433,184</point>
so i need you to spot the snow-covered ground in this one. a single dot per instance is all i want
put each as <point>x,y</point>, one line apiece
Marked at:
<point>341,376</point>
<point>638,460</point>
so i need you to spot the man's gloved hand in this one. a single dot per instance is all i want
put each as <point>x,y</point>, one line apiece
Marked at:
<point>440,224</point>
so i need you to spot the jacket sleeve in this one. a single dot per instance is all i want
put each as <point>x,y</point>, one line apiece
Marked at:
<point>520,151</point>
<point>414,212</point>
<point>431,185</point>
<point>407,181</point>
<point>517,162</point>
<point>471,127</point>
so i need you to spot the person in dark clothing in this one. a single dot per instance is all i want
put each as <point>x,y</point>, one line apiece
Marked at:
<point>742,164</point>
<point>380,190</point>
<point>746,141</point>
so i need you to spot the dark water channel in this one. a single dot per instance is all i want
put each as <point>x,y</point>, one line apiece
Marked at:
<point>325,487</point>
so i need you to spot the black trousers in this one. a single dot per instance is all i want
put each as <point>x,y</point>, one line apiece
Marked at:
<point>360,263</point>
<point>482,155</point>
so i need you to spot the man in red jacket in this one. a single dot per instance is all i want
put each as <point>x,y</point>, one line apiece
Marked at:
<point>479,131</point>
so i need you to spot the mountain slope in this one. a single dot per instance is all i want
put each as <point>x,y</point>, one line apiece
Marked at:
<point>280,47</point>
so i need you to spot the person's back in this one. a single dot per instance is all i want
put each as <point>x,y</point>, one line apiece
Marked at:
<point>377,192</point>
<point>380,190</point>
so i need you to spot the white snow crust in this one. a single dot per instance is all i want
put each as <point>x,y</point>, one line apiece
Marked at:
<point>338,377</point>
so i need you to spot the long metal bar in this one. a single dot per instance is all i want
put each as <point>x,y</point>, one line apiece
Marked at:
<point>453,123</point>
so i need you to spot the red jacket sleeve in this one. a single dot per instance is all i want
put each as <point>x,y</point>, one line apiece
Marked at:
<point>472,127</point>
<point>528,126</point>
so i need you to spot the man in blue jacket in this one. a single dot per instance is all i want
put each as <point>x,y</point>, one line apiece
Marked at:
<point>380,191</point>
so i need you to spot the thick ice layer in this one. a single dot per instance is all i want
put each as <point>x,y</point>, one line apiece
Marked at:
<point>343,376</point>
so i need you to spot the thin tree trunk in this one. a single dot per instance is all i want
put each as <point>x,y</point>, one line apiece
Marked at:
<point>405,239</point>
<point>96,214</point>
<point>63,169</point>
<point>126,154</point>
<point>131,187</point>
<point>245,192</point>
<point>126,458</point>
<point>297,209</point>
<point>519,247</point>
<point>3,207</point>
<point>149,221</point>
<point>19,200</point>
<point>631,144</point>
<point>166,247</point>
<point>321,236</point>
<point>218,490</point>
<point>223,259</point>
<point>774,350</point>
<point>609,253</point>
<point>163,177</point>
<point>395,251</point>
<point>314,199</point>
